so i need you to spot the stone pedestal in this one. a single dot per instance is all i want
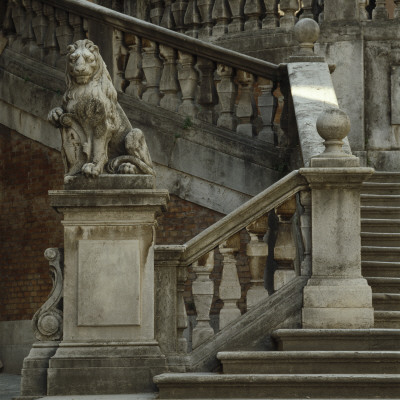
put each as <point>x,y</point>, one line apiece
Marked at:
<point>336,296</point>
<point>109,233</point>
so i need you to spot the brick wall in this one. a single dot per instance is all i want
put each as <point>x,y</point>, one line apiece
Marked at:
<point>29,225</point>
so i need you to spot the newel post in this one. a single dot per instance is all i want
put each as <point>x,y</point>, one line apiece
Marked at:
<point>336,296</point>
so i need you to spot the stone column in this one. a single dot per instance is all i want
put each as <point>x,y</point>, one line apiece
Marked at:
<point>336,296</point>
<point>109,344</point>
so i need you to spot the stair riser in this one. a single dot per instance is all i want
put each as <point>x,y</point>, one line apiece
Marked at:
<point>387,324</point>
<point>368,226</point>
<point>386,306</point>
<point>380,241</point>
<point>382,189</point>
<point>385,288</point>
<point>284,390</point>
<point>313,366</point>
<point>380,213</point>
<point>380,202</point>
<point>388,256</point>
<point>383,272</point>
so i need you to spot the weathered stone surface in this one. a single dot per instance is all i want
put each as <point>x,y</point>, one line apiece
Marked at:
<point>108,182</point>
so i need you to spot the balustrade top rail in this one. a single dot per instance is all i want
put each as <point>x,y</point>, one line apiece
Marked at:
<point>167,37</point>
<point>238,219</point>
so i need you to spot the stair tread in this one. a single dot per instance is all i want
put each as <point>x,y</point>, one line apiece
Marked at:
<point>380,263</point>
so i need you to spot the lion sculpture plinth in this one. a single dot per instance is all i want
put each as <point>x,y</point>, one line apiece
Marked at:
<point>96,133</point>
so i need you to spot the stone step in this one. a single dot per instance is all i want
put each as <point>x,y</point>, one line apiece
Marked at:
<point>387,319</point>
<point>337,339</point>
<point>310,362</point>
<point>380,239</point>
<point>381,188</point>
<point>380,225</point>
<point>380,212</point>
<point>259,386</point>
<point>386,302</point>
<point>380,200</point>
<point>384,177</point>
<point>382,269</point>
<point>380,253</point>
<point>384,285</point>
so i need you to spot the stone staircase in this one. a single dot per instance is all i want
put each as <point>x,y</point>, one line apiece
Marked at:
<point>380,239</point>
<point>335,363</point>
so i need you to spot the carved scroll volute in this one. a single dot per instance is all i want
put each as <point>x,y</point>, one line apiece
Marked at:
<point>227,91</point>
<point>169,85</point>
<point>47,322</point>
<point>152,66</point>
<point>229,289</point>
<point>236,24</point>
<point>192,19</point>
<point>257,251</point>
<point>207,97</point>
<point>205,7</point>
<point>271,14</point>
<point>50,41</point>
<point>305,225</point>
<point>289,7</point>
<point>181,318</point>
<point>203,291</point>
<point>133,70</point>
<point>221,15</point>
<point>188,78</point>
<point>40,24</point>
<point>246,108</point>
<point>285,246</point>
<point>252,10</point>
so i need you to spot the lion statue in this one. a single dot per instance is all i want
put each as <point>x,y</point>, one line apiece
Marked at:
<point>96,133</point>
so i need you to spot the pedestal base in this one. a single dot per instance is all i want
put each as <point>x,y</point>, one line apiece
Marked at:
<point>104,368</point>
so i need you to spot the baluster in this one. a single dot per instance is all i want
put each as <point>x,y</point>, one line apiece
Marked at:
<point>39,24</point>
<point>50,41</point>
<point>17,15</point>
<point>305,225</point>
<point>64,34</point>
<point>120,55</point>
<point>227,91</point>
<point>220,14</point>
<point>285,247</point>
<point>321,7</point>
<point>396,9</point>
<point>30,48</point>
<point>205,7</point>
<point>178,10</point>
<point>380,11</point>
<point>289,7</point>
<point>252,10</point>
<point>181,318</point>
<point>236,7</point>
<point>188,78</point>
<point>246,108</point>
<point>363,13</point>
<point>307,9</point>
<point>77,26</point>
<point>152,66</point>
<point>8,25</point>
<point>229,289</point>
<point>156,12</point>
<point>167,20</point>
<point>207,97</point>
<point>203,291</point>
<point>192,19</point>
<point>133,70</point>
<point>271,14</point>
<point>266,104</point>
<point>257,251</point>
<point>169,84</point>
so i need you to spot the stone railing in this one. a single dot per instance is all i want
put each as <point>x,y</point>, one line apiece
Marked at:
<point>154,65</point>
<point>263,232</point>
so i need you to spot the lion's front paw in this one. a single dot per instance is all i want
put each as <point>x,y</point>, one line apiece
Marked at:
<point>127,168</point>
<point>54,116</point>
<point>91,170</point>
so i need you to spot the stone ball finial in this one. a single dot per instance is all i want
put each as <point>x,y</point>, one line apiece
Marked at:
<point>306,32</point>
<point>333,125</point>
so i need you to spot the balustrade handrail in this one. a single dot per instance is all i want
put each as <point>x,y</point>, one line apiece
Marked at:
<point>173,39</point>
<point>232,223</point>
